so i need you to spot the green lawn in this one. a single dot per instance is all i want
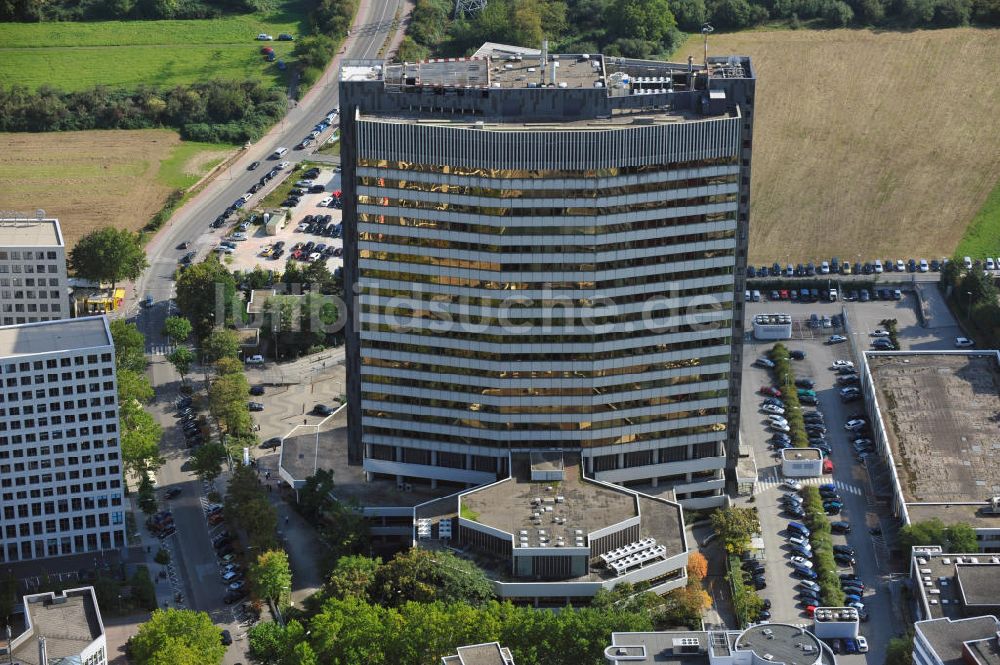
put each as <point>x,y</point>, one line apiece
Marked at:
<point>74,56</point>
<point>186,164</point>
<point>982,236</point>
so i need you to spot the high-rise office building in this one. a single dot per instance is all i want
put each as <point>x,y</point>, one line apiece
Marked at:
<point>60,466</point>
<point>32,271</point>
<point>546,252</point>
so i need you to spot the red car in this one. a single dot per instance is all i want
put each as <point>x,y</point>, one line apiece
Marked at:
<point>827,465</point>
<point>810,610</point>
<point>784,294</point>
<point>297,254</point>
<point>768,390</point>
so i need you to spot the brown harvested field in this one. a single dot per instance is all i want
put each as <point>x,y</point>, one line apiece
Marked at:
<point>883,144</point>
<point>86,179</point>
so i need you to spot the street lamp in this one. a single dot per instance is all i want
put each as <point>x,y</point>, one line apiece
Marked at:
<point>968,313</point>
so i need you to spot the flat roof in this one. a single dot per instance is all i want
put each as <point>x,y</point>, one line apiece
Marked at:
<point>944,592</point>
<point>786,644</point>
<point>656,647</point>
<point>302,454</point>
<point>480,654</point>
<point>979,582</point>
<point>947,636</point>
<point>954,513</point>
<point>793,454</point>
<point>586,506</point>
<point>940,415</point>
<point>986,651</point>
<point>30,233</point>
<point>69,623</point>
<point>49,336</point>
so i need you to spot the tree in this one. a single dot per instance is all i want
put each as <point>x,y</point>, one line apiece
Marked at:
<point>423,576</point>
<point>227,400</point>
<point>649,20</point>
<point>248,508</point>
<point>130,345</point>
<point>147,494</point>
<point>206,461</point>
<point>684,606</point>
<point>220,343</point>
<point>927,532</point>
<point>344,530</point>
<point>140,438</point>
<point>900,650</point>
<point>133,387</point>
<point>177,329</point>
<point>181,358</point>
<point>961,538</point>
<point>271,576</point>
<point>228,366</point>
<point>314,497</point>
<point>736,526</point>
<point>178,637</point>
<point>205,293</point>
<point>352,576</point>
<point>697,567</point>
<point>108,255</point>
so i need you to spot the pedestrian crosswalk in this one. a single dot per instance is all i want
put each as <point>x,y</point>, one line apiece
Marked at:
<point>769,482</point>
<point>161,349</point>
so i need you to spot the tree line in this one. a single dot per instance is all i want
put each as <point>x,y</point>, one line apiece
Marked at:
<point>214,111</point>
<point>119,10</point>
<point>647,28</point>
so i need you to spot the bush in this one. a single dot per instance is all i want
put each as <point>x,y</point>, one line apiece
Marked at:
<point>746,603</point>
<point>822,547</point>
<point>162,557</point>
<point>143,591</point>
<point>784,375</point>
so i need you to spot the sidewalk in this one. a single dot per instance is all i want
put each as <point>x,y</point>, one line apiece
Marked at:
<point>171,584</point>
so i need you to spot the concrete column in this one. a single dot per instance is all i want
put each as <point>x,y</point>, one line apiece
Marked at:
<point>434,462</point>
<point>621,460</point>
<point>399,453</point>
<point>655,481</point>
<point>468,461</point>
<point>690,453</point>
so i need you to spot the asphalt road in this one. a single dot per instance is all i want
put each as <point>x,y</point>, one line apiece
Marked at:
<point>194,556</point>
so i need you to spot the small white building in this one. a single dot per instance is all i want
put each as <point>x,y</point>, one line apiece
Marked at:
<point>830,622</point>
<point>772,326</point>
<point>801,462</point>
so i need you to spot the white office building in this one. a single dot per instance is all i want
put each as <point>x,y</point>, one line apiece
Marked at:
<point>33,283</point>
<point>60,466</point>
<point>60,629</point>
<point>971,641</point>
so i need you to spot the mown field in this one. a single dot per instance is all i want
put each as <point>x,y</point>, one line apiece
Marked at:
<point>97,178</point>
<point>74,56</point>
<point>879,144</point>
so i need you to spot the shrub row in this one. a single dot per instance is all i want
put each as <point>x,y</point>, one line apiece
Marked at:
<point>890,325</point>
<point>822,548</point>
<point>746,603</point>
<point>211,111</point>
<point>785,377</point>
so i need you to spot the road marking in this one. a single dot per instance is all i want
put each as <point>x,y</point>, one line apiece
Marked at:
<point>770,482</point>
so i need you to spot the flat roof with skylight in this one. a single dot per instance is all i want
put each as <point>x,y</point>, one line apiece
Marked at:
<point>955,585</point>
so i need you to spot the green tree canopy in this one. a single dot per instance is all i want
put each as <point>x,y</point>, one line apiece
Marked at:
<point>206,461</point>
<point>271,576</point>
<point>961,539</point>
<point>177,329</point>
<point>130,345</point>
<point>352,576</point>
<point>736,526</point>
<point>177,636</point>
<point>140,438</point>
<point>927,532</point>
<point>181,358</point>
<point>649,20</point>
<point>220,343</point>
<point>108,255</point>
<point>205,294</point>
<point>423,576</point>
<point>133,387</point>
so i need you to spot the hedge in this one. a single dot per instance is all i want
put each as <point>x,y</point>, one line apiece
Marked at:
<point>746,603</point>
<point>822,547</point>
<point>793,409</point>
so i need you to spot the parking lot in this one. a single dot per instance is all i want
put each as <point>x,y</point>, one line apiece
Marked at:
<point>861,507</point>
<point>246,254</point>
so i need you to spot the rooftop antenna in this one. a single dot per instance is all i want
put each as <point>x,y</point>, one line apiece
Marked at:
<point>706,30</point>
<point>544,58</point>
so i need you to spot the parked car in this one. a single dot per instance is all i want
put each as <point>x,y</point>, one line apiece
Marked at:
<point>963,342</point>
<point>255,406</point>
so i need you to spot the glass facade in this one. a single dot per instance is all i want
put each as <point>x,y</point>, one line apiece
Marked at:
<point>502,309</point>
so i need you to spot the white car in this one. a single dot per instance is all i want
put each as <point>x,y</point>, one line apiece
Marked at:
<point>862,644</point>
<point>850,390</point>
<point>900,266</point>
<point>842,363</point>
<point>284,165</point>
<point>854,424</point>
<point>802,561</point>
<point>836,339</point>
<point>315,256</point>
<point>878,332</point>
<point>247,197</point>
<point>967,262</point>
<point>230,576</point>
<point>923,266</point>
<point>963,342</point>
<point>800,541</point>
<point>222,249</point>
<point>770,408</point>
<point>824,268</point>
<point>238,236</point>
<point>302,227</point>
<point>793,485</point>
<point>989,263</point>
<point>325,202</point>
<point>264,37</point>
<point>778,420</point>
<point>809,584</point>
